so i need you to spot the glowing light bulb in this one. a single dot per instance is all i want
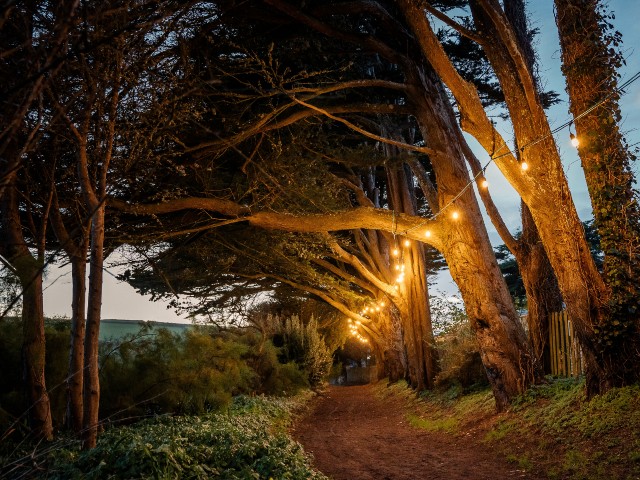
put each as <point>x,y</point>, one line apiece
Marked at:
<point>524,166</point>
<point>377,309</point>
<point>396,287</point>
<point>484,184</point>
<point>349,320</point>
<point>407,243</point>
<point>574,140</point>
<point>382,304</point>
<point>427,233</point>
<point>397,267</point>
<point>395,252</point>
<point>455,215</point>
<point>358,322</point>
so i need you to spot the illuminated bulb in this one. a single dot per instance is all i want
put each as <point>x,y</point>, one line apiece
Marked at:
<point>396,287</point>
<point>382,304</point>
<point>349,320</point>
<point>402,269</point>
<point>407,243</point>
<point>484,184</point>
<point>524,166</point>
<point>427,233</point>
<point>455,215</point>
<point>358,322</point>
<point>574,140</point>
<point>397,267</point>
<point>377,309</point>
<point>395,252</point>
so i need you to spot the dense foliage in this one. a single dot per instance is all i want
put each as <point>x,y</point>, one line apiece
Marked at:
<point>155,371</point>
<point>248,440</point>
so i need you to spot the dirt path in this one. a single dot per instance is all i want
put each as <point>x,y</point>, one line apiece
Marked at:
<point>355,435</point>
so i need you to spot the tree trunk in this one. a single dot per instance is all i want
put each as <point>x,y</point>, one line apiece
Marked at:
<point>541,287</point>
<point>76,347</point>
<point>91,374</point>
<point>540,283</point>
<point>589,63</point>
<point>466,247</point>
<point>414,306</point>
<point>33,346</point>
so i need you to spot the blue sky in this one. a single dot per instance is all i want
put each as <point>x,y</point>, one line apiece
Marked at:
<point>121,301</point>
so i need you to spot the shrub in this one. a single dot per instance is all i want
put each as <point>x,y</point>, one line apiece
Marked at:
<point>242,443</point>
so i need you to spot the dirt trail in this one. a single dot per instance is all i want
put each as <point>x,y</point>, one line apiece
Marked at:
<point>355,435</point>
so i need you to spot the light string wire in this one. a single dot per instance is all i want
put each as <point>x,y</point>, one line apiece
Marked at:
<point>493,157</point>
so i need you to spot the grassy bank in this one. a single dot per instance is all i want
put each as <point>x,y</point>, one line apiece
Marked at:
<point>247,441</point>
<point>552,430</point>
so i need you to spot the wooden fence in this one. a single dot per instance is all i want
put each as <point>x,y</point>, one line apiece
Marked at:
<point>566,356</point>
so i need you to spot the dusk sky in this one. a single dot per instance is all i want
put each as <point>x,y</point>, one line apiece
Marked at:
<point>121,301</point>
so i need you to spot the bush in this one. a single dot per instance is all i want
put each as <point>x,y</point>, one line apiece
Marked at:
<point>242,443</point>
<point>303,345</point>
<point>460,362</point>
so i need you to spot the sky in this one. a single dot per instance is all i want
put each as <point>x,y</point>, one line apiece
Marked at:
<point>121,301</point>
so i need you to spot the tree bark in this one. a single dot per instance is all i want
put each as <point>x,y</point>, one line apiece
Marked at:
<point>76,345</point>
<point>589,62</point>
<point>543,187</point>
<point>33,347</point>
<point>91,397</point>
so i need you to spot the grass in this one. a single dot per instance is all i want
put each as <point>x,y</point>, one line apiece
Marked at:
<point>552,430</point>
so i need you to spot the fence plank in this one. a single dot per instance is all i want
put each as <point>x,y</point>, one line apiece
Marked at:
<point>566,356</point>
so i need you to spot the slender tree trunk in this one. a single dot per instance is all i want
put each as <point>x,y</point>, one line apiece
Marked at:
<point>589,62</point>
<point>76,348</point>
<point>91,374</point>
<point>33,346</point>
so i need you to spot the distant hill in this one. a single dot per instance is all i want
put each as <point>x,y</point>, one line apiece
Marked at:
<point>116,328</point>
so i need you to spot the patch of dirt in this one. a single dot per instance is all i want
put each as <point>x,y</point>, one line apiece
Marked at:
<point>355,435</point>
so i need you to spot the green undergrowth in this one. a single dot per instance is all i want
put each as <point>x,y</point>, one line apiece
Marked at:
<point>248,441</point>
<point>552,430</point>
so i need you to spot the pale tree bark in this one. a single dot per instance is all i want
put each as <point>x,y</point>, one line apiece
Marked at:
<point>589,62</point>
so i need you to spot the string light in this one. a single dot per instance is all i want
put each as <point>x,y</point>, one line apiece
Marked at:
<point>484,183</point>
<point>382,304</point>
<point>455,215</point>
<point>574,140</point>
<point>523,165</point>
<point>395,252</point>
<point>407,243</point>
<point>427,233</point>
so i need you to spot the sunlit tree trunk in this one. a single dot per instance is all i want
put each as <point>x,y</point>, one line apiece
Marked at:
<point>466,247</point>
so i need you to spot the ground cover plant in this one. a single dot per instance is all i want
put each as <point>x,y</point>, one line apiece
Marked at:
<point>247,440</point>
<point>552,430</point>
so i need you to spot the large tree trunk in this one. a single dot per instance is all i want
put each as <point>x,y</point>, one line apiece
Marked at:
<point>543,187</point>
<point>589,65</point>
<point>414,304</point>
<point>466,247</point>
<point>91,374</point>
<point>540,283</point>
<point>33,346</point>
